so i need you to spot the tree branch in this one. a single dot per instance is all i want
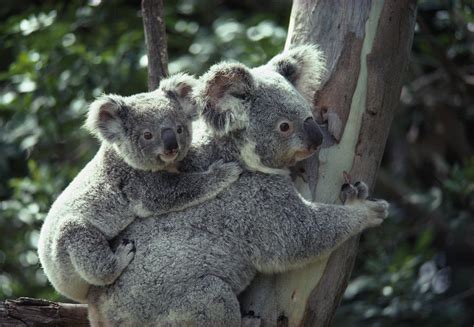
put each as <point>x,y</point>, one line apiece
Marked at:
<point>36,312</point>
<point>155,37</point>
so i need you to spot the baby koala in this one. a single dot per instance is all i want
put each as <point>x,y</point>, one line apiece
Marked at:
<point>134,174</point>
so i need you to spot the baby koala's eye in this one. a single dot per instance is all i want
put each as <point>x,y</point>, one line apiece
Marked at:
<point>147,136</point>
<point>179,129</point>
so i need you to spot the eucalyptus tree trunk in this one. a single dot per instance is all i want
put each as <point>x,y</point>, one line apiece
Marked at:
<point>367,45</point>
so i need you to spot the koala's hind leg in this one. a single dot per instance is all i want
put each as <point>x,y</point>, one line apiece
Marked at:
<point>95,317</point>
<point>103,311</point>
<point>92,257</point>
<point>209,302</point>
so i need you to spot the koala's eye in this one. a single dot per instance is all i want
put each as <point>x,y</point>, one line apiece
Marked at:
<point>179,129</point>
<point>284,127</point>
<point>147,136</point>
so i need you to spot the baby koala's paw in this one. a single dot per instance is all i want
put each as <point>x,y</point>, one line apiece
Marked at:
<point>125,253</point>
<point>226,171</point>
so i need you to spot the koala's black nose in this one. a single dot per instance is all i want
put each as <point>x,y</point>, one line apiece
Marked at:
<point>314,133</point>
<point>170,143</point>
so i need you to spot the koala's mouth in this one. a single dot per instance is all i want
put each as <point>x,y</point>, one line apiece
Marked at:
<point>168,157</point>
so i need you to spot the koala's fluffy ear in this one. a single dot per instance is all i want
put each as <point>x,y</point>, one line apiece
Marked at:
<point>303,66</point>
<point>223,95</point>
<point>181,87</point>
<point>103,119</point>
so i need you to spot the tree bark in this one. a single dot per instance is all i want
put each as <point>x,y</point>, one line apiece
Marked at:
<point>155,38</point>
<point>367,45</point>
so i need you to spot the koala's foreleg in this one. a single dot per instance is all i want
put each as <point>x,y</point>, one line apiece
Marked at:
<point>180,191</point>
<point>92,257</point>
<point>313,229</point>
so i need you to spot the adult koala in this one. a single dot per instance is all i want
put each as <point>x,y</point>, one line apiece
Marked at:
<point>190,266</point>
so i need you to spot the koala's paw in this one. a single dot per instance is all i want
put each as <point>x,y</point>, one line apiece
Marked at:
<point>378,211</point>
<point>125,253</point>
<point>357,195</point>
<point>362,190</point>
<point>351,193</point>
<point>229,172</point>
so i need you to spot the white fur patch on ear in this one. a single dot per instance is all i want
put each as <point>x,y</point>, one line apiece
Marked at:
<point>224,97</point>
<point>303,66</point>
<point>181,86</point>
<point>253,162</point>
<point>103,119</point>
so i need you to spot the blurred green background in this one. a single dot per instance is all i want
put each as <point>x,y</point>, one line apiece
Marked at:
<point>56,56</point>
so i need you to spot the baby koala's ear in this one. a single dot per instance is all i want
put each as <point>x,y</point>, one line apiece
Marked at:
<point>181,86</point>
<point>104,120</point>
<point>303,66</point>
<point>224,96</point>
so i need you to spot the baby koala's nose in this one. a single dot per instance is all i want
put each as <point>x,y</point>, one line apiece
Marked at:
<point>170,142</point>
<point>313,132</point>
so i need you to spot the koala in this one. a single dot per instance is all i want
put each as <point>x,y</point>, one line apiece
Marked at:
<point>191,265</point>
<point>134,174</point>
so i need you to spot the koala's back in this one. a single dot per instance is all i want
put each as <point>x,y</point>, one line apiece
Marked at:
<point>52,241</point>
<point>211,239</point>
<point>81,198</point>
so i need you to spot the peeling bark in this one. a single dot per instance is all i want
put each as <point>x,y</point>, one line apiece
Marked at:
<point>367,45</point>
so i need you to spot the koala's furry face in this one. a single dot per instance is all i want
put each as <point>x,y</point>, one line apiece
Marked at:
<point>281,122</point>
<point>268,107</point>
<point>150,131</point>
<point>156,131</point>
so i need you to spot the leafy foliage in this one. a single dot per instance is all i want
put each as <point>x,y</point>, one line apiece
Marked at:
<point>58,56</point>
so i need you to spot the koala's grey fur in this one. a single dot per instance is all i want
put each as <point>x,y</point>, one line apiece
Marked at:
<point>190,266</point>
<point>122,182</point>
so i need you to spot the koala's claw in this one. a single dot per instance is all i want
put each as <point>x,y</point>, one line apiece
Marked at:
<point>125,253</point>
<point>350,193</point>
<point>375,211</point>
<point>362,190</point>
<point>126,241</point>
